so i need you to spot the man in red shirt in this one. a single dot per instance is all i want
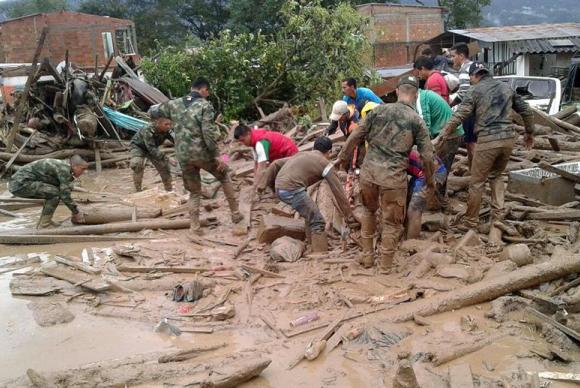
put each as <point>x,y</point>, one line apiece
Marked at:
<point>267,146</point>
<point>435,81</point>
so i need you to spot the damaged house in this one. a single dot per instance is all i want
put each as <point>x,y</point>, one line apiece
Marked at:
<point>533,50</point>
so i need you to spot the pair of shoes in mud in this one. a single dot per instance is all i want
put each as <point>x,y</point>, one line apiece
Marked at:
<point>189,292</point>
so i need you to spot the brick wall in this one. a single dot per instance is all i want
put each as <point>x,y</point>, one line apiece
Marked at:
<point>397,30</point>
<point>77,32</point>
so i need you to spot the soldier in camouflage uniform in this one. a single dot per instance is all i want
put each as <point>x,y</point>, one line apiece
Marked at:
<point>391,132</point>
<point>196,138</point>
<point>145,146</point>
<point>51,180</point>
<point>492,102</point>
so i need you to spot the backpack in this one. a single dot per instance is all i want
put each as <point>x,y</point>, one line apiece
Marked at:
<point>451,80</point>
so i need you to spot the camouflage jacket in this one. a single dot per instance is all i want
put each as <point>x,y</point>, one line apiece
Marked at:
<point>196,134</point>
<point>391,131</point>
<point>492,102</point>
<point>148,140</point>
<point>50,171</point>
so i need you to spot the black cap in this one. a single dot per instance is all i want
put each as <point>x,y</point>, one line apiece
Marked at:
<point>476,68</point>
<point>409,80</point>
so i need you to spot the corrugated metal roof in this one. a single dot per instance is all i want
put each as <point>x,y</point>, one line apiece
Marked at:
<point>534,31</point>
<point>534,46</point>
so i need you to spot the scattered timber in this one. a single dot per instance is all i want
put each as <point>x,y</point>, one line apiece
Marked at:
<point>489,289</point>
<point>75,277</point>
<point>46,239</point>
<point>99,216</point>
<point>447,355</point>
<point>115,228</point>
<point>563,173</point>
<point>189,353</point>
<point>126,268</point>
<point>235,375</point>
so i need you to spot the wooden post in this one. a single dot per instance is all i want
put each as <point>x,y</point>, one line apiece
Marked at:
<point>24,99</point>
<point>322,106</point>
<point>106,68</point>
<point>98,164</point>
<point>13,158</point>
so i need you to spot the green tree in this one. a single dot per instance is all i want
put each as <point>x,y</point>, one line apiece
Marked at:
<point>304,59</point>
<point>463,13</point>
<point>18,8</point>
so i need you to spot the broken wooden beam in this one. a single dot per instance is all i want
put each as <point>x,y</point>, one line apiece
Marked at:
<point>446,355</point>
<point>99,216</point>
<point>188,354</point>
<point>570,215</point>
<point>115,228</point>
<point>563,328</point>
<point>489,289</point>
<point>274,227</point>
<point>234,375</point>
<point>42,239</point>
<point>135,269</point>
<point>262,271</point>
<point>563,173</point>
<point>75,277</point>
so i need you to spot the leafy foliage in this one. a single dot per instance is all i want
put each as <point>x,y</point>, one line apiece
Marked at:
<point>14,9</point>
<point>463,13</point>
<point>306,58</point>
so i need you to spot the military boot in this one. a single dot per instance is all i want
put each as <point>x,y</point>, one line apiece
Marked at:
<point>138,180</point>
<point>167,184</point>
<point>45,221</point>
<point>319,242</point>
<point>367,258</point>
<point>386,261</point>
<point>230,194</point>
<point>195,228</point>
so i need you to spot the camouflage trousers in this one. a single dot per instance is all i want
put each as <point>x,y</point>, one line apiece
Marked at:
<point>487,164</point>
<point>38,190</point>
<point>192,183</point>
<point>393,210</point>
<point>138,159</point>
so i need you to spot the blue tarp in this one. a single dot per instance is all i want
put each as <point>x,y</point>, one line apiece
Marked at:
<point>124,121</point>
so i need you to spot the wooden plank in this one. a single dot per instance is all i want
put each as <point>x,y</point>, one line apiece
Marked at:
<point>25,239</point>
<point>77,265</point>
<point>262,271</point>
<point>274,227</point>
<point>75,277</point>
<point>460,376</point>
<point>570,215</point>
<point>564,329</point>
<point>563,173</point>
<point>127,268</point>
<point>566,287</point>
<point>17,153</point>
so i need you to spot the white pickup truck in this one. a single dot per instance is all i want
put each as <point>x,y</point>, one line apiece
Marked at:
<point>543,93</point>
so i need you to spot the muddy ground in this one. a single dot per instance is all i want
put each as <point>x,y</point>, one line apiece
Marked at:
<point>111,341</point>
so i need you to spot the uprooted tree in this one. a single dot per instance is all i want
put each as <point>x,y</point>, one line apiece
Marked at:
<point>305,59</point>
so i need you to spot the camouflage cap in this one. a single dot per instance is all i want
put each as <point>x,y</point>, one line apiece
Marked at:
<point>476,68</point>
<point>409,80</point>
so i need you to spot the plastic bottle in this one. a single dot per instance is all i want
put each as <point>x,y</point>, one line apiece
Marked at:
<point>310,317</point>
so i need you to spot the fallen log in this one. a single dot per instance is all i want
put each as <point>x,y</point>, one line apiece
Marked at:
<point>234,375</point>
<point>99,216</point>
<point>127,268</point>
<point>61,154</point>
<point>544,144</point>
<point>26,239</point>
<point>274,227</point>
<point>489,289</point>
<point>562,124</point>
<point>570,215</point>
<point>447,355</point>
<point>565,112</point>
<point>189,353</point>
<point>114,228</point>
<point>18,205</point>
<point>9,214</point>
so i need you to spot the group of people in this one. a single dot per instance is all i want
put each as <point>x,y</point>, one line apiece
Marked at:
<point>401,153</point>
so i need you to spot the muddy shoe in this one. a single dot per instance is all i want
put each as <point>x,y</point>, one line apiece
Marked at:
<point>237,217</point>
<point>194,291</point>
<point>45,222</point>
<point>178,293</point>
<point>386,263</point>
<point>366,260</point>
